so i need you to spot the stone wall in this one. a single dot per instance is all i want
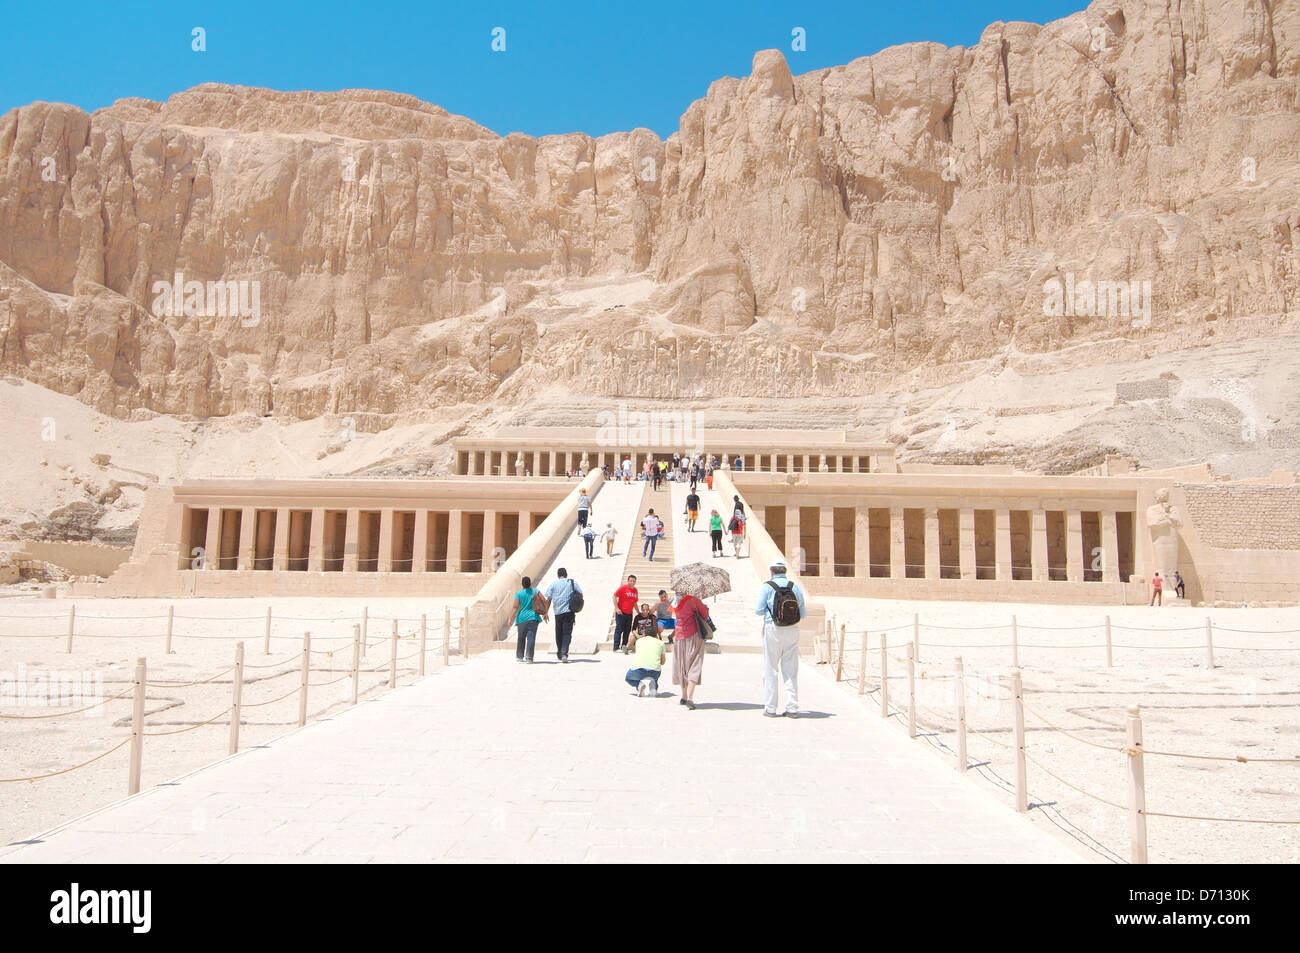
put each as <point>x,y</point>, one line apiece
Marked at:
<point>1142,390</point>
<point>1243,516</point>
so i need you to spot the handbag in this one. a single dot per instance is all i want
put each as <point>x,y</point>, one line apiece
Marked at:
<point>704,626</point>
<point>575,598</point>
<point>539,604</point>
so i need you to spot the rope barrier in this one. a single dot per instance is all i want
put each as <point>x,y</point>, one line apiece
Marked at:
<point>1029,757</point>
<point>1136,628</point>
<point>203,681</point>
<point>54,774</point>
<point>332,681</point>
<point>1224,628</point>
<point>244,705</point>
<point>1240,758</point>
<point>984,733</point>
<point>1068,734</point>
<point>1231,820</point>
<point>961,628</point>
<point>1257,648</point>
<point>180,731</point>
<point>77,711</point>
<point>271,664</point>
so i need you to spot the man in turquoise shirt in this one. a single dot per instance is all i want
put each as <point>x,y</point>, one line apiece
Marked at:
<point>780,641</point>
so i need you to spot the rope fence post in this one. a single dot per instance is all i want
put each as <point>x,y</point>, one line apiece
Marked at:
<point>137,731</point>
<point>1022,779</point>
<point>1209,642</point>
<point>961,715</point>
<point>392,660</point>
<point>862,667</point>
<point>1109,657</point>
<point>1137,798</point>
<point>916,636</point>
<point>266,635</point>
<point>884,675</point>
<point>236,696</point>
<point>424,631</point>
<point>446,636</point>
<point>306,669</point>
<point>356,659</point>
<point>72,624</point>
<point>171,610</point>
<point>911,691</point>
<point>365,629</point>
<point>1015,644</point>
<point>839,667</point>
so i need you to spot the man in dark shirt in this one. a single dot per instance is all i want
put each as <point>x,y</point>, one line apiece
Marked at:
<point>692,509</point>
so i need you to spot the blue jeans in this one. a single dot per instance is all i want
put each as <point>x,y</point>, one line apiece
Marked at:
<point>527,634</point>
<point>650,544</point>
<point>634,676</point>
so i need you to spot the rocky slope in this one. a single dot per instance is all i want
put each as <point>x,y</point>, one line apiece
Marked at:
<point>873,230</point>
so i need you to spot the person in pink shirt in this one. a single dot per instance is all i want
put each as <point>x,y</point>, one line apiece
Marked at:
<point>688,647</point>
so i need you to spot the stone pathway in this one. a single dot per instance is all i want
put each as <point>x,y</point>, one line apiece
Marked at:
<point>495,761</point>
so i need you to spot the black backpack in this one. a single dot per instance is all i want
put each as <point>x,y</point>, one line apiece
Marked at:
<point>575,598</point>
<point>785,604</point>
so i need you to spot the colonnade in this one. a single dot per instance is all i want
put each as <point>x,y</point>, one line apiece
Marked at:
<point>556,462</point>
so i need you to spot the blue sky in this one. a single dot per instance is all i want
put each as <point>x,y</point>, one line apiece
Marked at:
<point>568,66</point>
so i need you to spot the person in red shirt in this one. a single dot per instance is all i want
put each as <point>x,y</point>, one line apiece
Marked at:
<point>1157,590</point>
<point>625,599</point>
<point>688,648</point>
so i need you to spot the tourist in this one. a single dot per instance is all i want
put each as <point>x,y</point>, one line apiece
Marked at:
<point>644,673</point>
<point>656,475</point>
<point>559,596</point>
<point>643,623</point>
<point>624,605</point>
<point>715,532</point>
<point>589,540</point>
<point>781,604</point>
<point>739,508</point>
<point>607,538</point>
<point>653,527</point>
<point>532,607</point>
<point>695,477</point>
<point>739,465</point>
<point>1157,587</point>
<point>584,509</point>
<point>688,647</point>
<point>1180,587</point>
<point>664,615</point>
<point>692,509</point>
<point>737,529</point>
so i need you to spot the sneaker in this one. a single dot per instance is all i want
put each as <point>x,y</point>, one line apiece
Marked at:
<point>792,714</point>
<point>689,704</point>
<point>643,688</point>
<point>771,714</point>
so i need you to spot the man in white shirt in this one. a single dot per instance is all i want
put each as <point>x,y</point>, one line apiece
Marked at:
<point>654,528</point>
<point>781,604</point>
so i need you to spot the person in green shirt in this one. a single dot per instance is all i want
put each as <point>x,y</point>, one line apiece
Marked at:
<point>649,648</point>
<point>715,532</point>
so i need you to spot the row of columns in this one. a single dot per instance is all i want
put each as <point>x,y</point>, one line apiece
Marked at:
<point>503,462</point>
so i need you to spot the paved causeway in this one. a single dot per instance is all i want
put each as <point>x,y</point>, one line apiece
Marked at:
<point>491,760</point>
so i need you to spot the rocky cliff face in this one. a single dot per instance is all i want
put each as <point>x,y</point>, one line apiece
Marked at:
<point>891,223</point>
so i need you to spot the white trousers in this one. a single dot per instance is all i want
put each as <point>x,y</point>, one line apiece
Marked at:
<point>780,650</point>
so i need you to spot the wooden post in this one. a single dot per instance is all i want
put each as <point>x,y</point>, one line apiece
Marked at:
<point>961,715</point>
<point>72,624</point>
<point>306,670</point>
<point>446,636</point>
<point>424,631</point>
<point>392,660</point>
<point>1015,644</point>
<point>1137,797</point>
<point>862,667</point>
<point>356,659</point>
<point>884,675</point>
<point>1209,642</point>
<point>266,635</point>
<point>365,629</point>
<point>839,667</point>
<point>1109,655</point>
<point>236,696</point>
<point>170,613</point>
<point>137,730</point>
<point>911,692</point>
<point>1022,780</point>
<point>916,636</point>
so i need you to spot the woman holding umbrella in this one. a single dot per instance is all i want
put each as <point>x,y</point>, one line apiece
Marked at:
<point>692,583</point>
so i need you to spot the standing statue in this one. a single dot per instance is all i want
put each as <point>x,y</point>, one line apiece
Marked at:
<point>822,466</point>
<point>1163,521</point>
<point>519,465</point>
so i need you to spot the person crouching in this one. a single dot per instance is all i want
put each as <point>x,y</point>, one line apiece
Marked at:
<point>649,648</point>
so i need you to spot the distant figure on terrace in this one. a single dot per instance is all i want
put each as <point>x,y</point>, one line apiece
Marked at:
<point>738,465</point>
<point>584,510</point>
<point>1180,587</point>
<point>1157,587</point>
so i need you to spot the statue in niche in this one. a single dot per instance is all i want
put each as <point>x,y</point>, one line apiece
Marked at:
<point>519,465</point>
<point>1163,521</point>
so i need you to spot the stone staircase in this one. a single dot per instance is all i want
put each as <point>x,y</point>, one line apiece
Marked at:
<point>650,576</point>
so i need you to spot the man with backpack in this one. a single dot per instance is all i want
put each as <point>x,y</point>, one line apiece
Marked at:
<point>564,598</point>
<point>781,604</point>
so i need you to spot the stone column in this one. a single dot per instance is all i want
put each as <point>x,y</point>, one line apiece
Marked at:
<point>862,543</point>
<point>792,539</point>
<point>534,466</point>
<point>352,540</point>
<point>1109,547</point>
<point>247,538</point>
<point>420,542</point>
<point>553,458</point>
<point>1039,547</point>
<point>826,540</point>
<point>212,544</point>
<point>897,544</point>
<point>931,542</point>
<point>525,525</point>
<point>453,540</point>
<point>316,546</point>
<point>385,563</point>
<point>280,554</point>
<point>1002,544</point>
<point>1074,545</point>
<point>489,540</point>
<point>966,531</point>
<point>471,469</point>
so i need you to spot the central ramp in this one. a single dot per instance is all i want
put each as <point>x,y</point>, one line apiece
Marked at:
<point>493,761</point>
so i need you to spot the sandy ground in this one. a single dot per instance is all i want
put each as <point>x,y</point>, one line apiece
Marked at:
<point>111,634</point>
<point>1248,705</point>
